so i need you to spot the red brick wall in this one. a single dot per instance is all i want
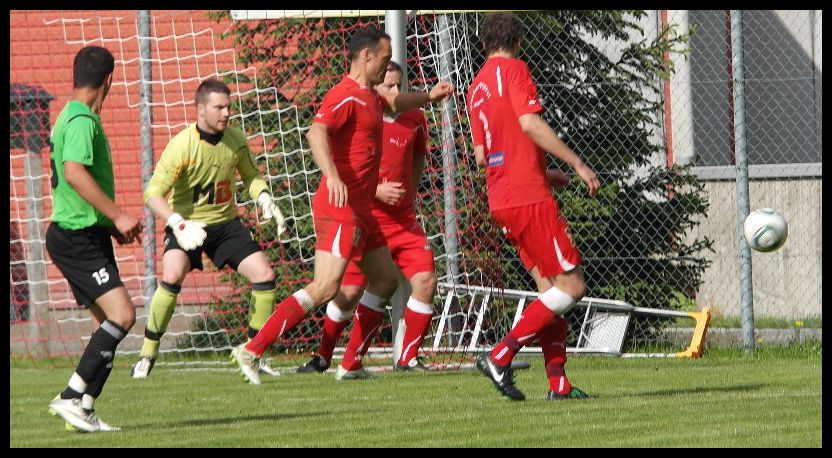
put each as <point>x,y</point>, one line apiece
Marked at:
<point>41,55</point>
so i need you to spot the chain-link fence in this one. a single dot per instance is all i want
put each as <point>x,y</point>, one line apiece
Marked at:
<point>647,99</point>
<point>644,97</point>
<point>782,57</point>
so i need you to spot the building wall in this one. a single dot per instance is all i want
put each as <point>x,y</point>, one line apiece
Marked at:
<point>786,283</point>
<point>41,53</point>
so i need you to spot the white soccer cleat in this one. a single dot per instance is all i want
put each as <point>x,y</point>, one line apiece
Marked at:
<point>102,426</point>
<point>266,369</point>
<point>106,428</point>
<point>343,374</point>
<point>248,363</point>
<point>71,411</point>
<point>143,367</point>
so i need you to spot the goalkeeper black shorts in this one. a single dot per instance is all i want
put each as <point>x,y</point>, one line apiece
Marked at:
<point>226,243</point>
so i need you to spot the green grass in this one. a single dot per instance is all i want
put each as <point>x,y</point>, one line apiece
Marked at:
<point>772,398</point>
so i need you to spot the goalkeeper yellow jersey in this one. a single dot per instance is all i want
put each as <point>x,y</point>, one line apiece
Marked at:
<point>201,177</point>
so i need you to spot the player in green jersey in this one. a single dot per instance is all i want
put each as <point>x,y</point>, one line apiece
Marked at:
<point>84,217</point>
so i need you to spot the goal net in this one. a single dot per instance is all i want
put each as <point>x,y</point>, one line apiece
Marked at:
<point>279,65</point>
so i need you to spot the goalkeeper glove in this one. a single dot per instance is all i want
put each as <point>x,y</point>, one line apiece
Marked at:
<point>189,234</point>
<point>270,210</point>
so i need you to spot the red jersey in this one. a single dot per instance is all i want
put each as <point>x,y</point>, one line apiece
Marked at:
<point>352,114</point>
<point>516,168</point>
<point>405,139</point>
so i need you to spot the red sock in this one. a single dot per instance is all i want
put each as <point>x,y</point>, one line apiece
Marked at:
<point>332,331</point>
<point>288,314</point>
<point>553,341</point>
<point>365,325</point>
<point>416,326</point>
<point>533,319</point>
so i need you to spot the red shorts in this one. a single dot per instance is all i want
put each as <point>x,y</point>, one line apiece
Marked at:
<point>347,238</point>
<point>409,248</point>
<point>541,235</point>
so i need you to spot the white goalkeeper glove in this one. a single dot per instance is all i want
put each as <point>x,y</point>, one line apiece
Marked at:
<point>270,210</point>
<point>189,234</point>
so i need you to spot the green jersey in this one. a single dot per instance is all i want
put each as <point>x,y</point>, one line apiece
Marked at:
<point>201,177</point>
<point>79,137</point>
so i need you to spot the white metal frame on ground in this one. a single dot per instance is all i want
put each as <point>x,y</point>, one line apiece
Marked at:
<point>603,329</point>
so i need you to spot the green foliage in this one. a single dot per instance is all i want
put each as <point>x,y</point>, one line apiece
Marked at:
<point>632,235</point>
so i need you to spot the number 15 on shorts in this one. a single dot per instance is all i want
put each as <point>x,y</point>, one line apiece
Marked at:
<point>101,276</point>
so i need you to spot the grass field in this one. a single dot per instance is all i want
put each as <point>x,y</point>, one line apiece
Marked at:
<point>726,399</point>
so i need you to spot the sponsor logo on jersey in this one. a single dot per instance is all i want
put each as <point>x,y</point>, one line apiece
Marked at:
<point>496,159</point>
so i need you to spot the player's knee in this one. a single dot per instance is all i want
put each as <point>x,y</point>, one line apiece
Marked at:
<point>322,293</point>
<point>262,275</point>
<point>348,298</point>
<point>173,278</point>
<point>424,284</point>
<point>574,286</point>
<point>580,290</point>
<point>571,283</point>
<point>126,317</point>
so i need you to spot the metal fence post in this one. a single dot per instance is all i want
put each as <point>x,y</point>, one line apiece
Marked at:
<point>743,207</point>
<point>149,240</point>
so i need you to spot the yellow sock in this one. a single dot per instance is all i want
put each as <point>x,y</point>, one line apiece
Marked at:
<point>262,305</point>
<point>161,311</point>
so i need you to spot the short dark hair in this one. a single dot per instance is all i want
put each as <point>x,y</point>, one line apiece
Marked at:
<point>91,67</point>
<point>500,31</point>
<point>394,66</point>
<point>367,37</point>
<point>208,86</point>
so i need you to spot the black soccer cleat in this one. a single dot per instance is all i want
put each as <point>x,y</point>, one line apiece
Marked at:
<point>316,364</point>
<point>502,376</point>
<point>415,365</point>
<point>574,393</point>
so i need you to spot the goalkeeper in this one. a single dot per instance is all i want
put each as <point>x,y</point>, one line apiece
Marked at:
<point>198,169</point>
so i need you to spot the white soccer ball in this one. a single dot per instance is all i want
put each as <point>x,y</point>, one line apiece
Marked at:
<point>765,230</point>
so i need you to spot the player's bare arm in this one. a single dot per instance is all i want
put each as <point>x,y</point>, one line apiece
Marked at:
<point>318,138</point>
<point>84,184</point>
<point>390,192</point>
<point>543,136</point>
<point>479,155</point>
<point>403,101</point>
<point>418,168</point>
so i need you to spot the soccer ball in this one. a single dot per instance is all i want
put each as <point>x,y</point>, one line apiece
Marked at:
<point>765,230</point>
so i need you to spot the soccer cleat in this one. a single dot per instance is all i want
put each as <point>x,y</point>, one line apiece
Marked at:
<point>266,369</point>
<point>316,364</point>
<point>71,411</point>
<point>102,426</point>
<point>415,365</point>
<point>502,376</point>
<point>142,367</point>
<point>105,427</point>
<point>574,393</point>
<point>343,374</point>
<point>248,362</point>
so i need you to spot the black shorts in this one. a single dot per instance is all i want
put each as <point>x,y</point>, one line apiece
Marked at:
<point>226,243</point>
<point>85,257</point>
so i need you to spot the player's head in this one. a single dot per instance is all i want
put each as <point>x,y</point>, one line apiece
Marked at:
<point>392,80</point>
<point>501,32</point>
<point>370,50</point>
<point>93,68</point>
<point>213,105</point>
